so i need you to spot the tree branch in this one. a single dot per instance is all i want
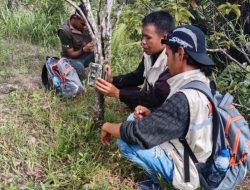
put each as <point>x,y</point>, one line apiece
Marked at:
<point>92,22</point>
<point>118,12</point>
<point>147,5</point>
<point>244,107</point>
<point>229,57</point>
<point>106,29</point>
<point>91,31</point>
<point>90,16</point>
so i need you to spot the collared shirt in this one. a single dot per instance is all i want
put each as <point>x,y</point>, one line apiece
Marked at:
<point>133,96</point>
<point>66,41</point>
<point>72,38</point>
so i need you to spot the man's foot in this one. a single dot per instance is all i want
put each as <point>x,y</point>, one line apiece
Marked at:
<point>149,185</point>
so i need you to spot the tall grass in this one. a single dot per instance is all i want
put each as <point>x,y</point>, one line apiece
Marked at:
<point>126,53</point>
<point>33,26</point>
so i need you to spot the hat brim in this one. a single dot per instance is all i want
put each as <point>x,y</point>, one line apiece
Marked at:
<point>201,58</point>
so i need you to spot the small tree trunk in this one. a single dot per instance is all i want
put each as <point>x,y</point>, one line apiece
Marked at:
<point>101,37</point>
<point>99,112</point>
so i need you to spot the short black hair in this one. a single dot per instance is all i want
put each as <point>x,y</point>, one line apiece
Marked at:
<point>162,20</point>
<point>83,8</point>
<point>206,69</point>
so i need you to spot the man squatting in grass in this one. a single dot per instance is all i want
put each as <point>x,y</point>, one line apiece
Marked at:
<point>152,140</point>
<point>151,72</point>
<point>76,42</point>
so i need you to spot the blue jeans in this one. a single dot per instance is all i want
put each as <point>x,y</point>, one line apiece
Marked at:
<point>153,160</point>
<point>131,117</point>
<point>82,62</point>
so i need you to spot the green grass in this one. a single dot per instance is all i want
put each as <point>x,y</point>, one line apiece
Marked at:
<point>47,142</point>
<point>30,24</point>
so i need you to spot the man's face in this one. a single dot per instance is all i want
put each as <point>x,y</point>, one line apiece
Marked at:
<point>151,40</point>
<point>174,62</point>
<point>79,24</point>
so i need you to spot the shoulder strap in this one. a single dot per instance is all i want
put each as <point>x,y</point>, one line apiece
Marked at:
<point>44,77</point>
<point>45,72</point>
<point>203,88</point>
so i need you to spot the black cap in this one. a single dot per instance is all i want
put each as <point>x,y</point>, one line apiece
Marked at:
<point>83,8</point>
<point>193,40</point>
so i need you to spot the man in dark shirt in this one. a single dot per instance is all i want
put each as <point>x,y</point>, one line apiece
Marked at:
<point>76,42</point>
<point>151,72</point>
<point>152,140</point>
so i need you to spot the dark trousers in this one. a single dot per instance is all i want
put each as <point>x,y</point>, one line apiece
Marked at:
<point>81,63</point>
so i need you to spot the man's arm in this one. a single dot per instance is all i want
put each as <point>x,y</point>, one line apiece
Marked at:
<point>112,86</point>
<point>109,129</point>
<point>132,79</point>
<point>107,88</point>
<point>67,45</point>
<point>141,112</point>
<point>168,122</point>
<point>152,98</point>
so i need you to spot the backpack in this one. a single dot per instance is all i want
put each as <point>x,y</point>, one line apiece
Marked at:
<point>58,74</point>
<point>230,131</point>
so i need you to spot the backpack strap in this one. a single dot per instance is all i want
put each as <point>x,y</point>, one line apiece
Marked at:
<point>187,152</point>
<point>44,76</point>
<point>203,88</point>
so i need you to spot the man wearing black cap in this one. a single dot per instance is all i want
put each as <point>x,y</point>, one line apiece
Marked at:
<point>76,42</point>
<point>152,141</point>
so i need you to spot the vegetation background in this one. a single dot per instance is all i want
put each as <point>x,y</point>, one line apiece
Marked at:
<point>47,142</point>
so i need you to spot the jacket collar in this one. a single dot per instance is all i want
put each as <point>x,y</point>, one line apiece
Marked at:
<point>178,81</point>
<point>73,30</point>
<point>158,62</point>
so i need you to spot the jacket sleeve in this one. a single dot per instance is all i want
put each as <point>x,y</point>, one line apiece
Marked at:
<point>170,121</point>
<point>152,98</point>
<point>132,79</point>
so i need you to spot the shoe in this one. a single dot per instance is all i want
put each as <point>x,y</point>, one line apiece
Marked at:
<point>149,185</point>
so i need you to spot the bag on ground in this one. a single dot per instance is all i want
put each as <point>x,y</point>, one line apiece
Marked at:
<point>58,74</point>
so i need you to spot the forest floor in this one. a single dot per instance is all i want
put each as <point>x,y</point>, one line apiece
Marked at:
<point>49,143</point>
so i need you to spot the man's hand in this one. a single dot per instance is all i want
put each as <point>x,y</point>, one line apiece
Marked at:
<point>109,129</point>
<point>140,112</point>
<point>107,88</point>
<point>109,77</point>
<point>105,138</point>
<point>88,48</point>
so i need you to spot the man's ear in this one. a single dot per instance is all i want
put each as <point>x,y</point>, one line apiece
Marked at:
<point>181,53</point>
<point>165,36</point>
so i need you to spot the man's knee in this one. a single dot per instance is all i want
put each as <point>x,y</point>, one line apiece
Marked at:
<point>127,150</point>
<point>131,117</point>
<point>89,58</point>
<point>123,146</point>
<point>78,66</point>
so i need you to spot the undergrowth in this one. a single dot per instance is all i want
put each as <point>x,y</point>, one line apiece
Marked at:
<point>47,142</point>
